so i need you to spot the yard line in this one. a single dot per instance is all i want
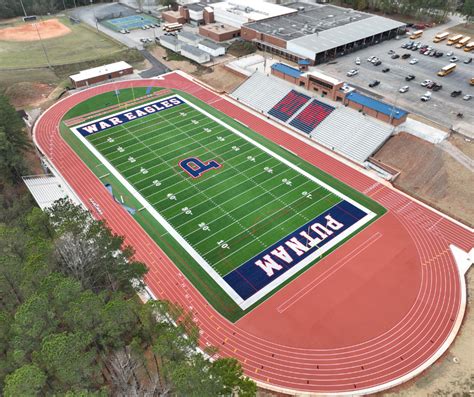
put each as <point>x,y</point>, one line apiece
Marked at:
<point>197,188</point>
<point>223,202</point>
<point>240,248</point>
<point>257,209</point>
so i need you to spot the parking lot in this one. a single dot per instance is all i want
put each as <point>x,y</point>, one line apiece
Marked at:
<point>442,108</point>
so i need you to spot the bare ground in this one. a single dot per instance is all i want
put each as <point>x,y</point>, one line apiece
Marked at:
<point>217,77</point>
<point>431,174</point>
<point>29,94</point>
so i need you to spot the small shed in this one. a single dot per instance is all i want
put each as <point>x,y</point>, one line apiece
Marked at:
<point>211,48</point>
<point>195,54</point>
<point>189,38</point>
<point>171,42</point>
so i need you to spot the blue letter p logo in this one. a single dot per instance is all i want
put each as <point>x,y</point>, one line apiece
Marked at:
<point>195,167</point>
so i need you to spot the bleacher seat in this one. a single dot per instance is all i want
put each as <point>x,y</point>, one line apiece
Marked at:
<point>311,116</point>
<point>289,105</point>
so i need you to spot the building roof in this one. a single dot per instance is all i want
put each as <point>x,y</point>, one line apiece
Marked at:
<point>193,50</point>
<point>219,28</point>
<point>341,35</point>
<point>46,189</point>
<point>210,44</point>
<point>251,10</point>
<point>314,18</point>
<point>169,39</point>
<point>100,71</point>
<point>376,105</point>
<point>195,6</point>
<point>288,70</point>
<point>304,62</point>
<point>322,76</point>
<point>189,36</point>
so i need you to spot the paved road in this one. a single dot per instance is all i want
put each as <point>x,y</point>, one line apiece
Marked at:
<point>442,108</point>
<point>157,67</point>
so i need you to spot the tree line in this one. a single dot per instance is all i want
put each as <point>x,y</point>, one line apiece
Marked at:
<point>71,322</point>
<point>435,10</point>
<point>13,8</point>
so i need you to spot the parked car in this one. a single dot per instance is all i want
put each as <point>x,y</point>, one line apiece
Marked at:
<point>467,97</point>
<point>468,60</point>
<point>369,59</point>
<point>385,70</point>
<point>454,59</point>
<point>352,72</point>
<point>430,85</point>
<point>374,83</point>
<point>438,54</point>
<point>404,89</point>
<point>377,62</point>
<point>413,61</point>
<point>424,83</point>
<point>449,54</point>
<point>432,53</point>
<point>405,56</point>
<point>455,94</point>
<point>357,61</point>
<point>410,77</point>
<point>390,52</point>
<point>437,87</point>
<point>395,56</point>
<point>404,45</point>
<point>426,96</point>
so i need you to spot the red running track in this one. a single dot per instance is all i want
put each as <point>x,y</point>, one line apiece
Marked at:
<point>370,315</point>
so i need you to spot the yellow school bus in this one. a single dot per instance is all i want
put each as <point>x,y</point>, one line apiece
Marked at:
<point>447,70</point>
<point>416,34</point>
<point>461,43</point>
<point>440,37</point>
<point>454,39</point>
<point>469,46</point>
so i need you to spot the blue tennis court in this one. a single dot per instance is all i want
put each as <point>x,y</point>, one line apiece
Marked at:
<point>131,22</point>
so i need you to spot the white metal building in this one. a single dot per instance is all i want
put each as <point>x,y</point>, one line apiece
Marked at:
<point>195,53</point>
<point>171,42</point>
<point>189,38</point>
<point>211,48</point>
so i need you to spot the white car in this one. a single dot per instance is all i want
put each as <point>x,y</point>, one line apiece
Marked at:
<point>371,58</point>
<point>352,72</point>
<point>467,97</point>
<point>425,83</point>
<point>454,59</point>
<point>426,96</point>
<point>413,61</point>
<point>357,61</point>
<point>404,89</point>
<point>449,54</point>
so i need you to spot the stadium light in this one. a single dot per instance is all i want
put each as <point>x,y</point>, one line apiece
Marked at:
<point>42,45</point>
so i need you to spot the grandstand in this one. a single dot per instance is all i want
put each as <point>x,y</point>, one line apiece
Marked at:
<point>289,105</point>
<point>341,129</point>
<point>260,92</point>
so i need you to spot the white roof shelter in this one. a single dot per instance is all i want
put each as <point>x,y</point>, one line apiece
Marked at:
<point>100,71</point>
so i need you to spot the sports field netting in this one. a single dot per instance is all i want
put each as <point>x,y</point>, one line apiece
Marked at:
<point>249,217</point>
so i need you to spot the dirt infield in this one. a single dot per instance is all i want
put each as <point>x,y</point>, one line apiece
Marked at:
<point>27,32</point>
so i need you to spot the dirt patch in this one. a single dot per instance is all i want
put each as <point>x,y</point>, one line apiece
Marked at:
<point>217,76</point>
<point>28,94</point>
<point>430,174</point>
<point>29,31</point>
<point>465,145</point>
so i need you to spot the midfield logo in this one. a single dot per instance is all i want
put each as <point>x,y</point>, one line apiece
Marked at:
<point>195,167</point>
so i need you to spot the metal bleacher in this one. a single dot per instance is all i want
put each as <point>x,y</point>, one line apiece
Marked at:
<point>352,134</point>
<point>341,129</point>
<point>261,92</point>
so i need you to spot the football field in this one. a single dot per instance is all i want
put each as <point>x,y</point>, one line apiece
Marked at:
<point>247,215</point>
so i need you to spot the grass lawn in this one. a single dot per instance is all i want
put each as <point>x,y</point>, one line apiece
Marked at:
<point>82,44</point>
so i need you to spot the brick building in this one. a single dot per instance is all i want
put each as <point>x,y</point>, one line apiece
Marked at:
<point>102,73</point>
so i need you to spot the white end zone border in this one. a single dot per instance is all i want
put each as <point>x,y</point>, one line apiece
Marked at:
<point>244,304</point>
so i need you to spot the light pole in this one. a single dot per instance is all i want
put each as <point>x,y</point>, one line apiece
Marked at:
<point>22,6</point>
<point>42,45</point>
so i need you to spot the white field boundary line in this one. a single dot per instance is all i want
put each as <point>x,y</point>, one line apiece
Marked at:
<point>244,304</point>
